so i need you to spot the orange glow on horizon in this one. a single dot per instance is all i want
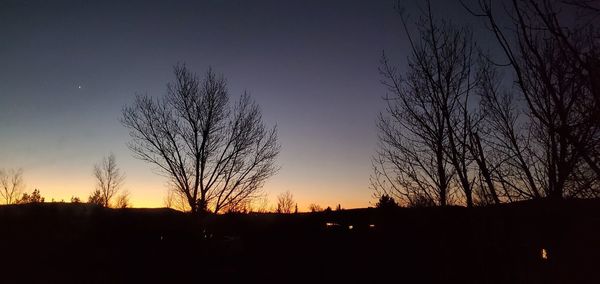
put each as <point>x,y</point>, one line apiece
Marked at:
<point>149,190</point>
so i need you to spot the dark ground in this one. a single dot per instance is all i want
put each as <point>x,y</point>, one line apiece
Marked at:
<point>57,243</point>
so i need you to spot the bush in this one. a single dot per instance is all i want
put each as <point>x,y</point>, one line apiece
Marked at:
<point>386,202</point>
<point>35,197</point>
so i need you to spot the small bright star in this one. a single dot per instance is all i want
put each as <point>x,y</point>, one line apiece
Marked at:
<point>78,87</point>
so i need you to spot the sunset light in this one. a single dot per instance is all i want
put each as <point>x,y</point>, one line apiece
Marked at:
<point>311,141</point>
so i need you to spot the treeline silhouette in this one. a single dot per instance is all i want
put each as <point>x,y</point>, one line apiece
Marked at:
<point>524,242</point>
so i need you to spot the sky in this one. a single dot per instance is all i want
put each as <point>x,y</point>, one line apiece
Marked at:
<point>67,68</point>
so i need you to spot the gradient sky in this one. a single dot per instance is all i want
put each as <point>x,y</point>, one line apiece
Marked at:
<point>68,67</point>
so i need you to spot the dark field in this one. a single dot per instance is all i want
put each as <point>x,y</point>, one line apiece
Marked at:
<point>57,242</point>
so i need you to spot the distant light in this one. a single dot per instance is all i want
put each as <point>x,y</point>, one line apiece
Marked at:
<point>544,254</point>
<point>79,87</point>
<point>350,227</point>
<point>371,225</point>
<point>331,224</point>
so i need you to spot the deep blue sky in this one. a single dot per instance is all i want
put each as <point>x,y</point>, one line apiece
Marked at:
<point>68,67</point>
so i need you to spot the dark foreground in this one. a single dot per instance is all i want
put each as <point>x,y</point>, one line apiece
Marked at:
<point>57,243</point>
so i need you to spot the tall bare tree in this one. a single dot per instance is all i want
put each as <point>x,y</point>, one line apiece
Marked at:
<point>425,135</point>
<point>215,154</point>
<point>552,49</point>
<point>507,139</point>
<point>109,178</point>
<point>500,149</point>
<point>11,185</point>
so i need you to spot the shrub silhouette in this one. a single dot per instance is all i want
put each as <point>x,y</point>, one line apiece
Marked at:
<point>386,202</point>
<point>35,197</point>
<point>96,198</point>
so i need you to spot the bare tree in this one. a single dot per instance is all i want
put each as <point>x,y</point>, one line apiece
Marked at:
<point>555,66</point>
<point>214,154</point>
<point>496,151</point>
<point>315,208</point>
<point>425,133</point>
<point>507,140</point>
<point>11,185</point>
<point>109,178</point>
<point>285,203</point>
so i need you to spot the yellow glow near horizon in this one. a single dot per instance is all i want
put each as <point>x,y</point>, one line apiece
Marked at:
<point>147,190</point>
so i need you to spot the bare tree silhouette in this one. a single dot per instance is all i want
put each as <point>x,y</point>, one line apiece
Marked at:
<point>426,130</point>
<point>285,203</point>
<point>437,143</point>
<point>11,185</point>
<point>109,178</point>
<point>506,139</point>
<point>555,66</point>
<point>215,155</point>
<point>315,208</point>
